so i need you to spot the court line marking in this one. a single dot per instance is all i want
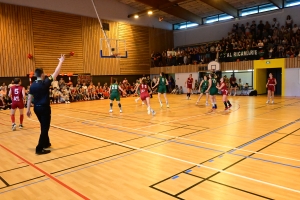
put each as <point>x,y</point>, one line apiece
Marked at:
<point>181,160</point>
<point>187,139</point>
<point>45,173</point>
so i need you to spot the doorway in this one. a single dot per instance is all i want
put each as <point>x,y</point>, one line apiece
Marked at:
<point>277,74</point>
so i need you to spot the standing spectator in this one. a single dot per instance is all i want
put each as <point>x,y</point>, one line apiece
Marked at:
<point>253,29</point>
<point>289,22</point>
<point>260,27</point>
<point>275,23</point>
<point>232,84</point>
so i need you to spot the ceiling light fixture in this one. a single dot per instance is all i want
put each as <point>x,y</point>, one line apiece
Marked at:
<point>150,12</point>
<point>136,16</point>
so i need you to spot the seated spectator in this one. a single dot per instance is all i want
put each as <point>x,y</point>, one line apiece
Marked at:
<point>260,44</point>
<point>180,91</point>
<point>295,28</point>
<point>240,84</point>
<point>245,89</point>
<point>176,89</point>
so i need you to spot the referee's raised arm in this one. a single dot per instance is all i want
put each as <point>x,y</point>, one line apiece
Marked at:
<point>39,95</point>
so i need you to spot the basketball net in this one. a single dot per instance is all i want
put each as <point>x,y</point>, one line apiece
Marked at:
<point>104,33</point>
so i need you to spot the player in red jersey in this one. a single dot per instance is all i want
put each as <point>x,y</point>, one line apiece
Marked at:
<point>17,95</point>
<point>189,84</point>
<point>271,87</point>
<point>224,91</point>
<point>145,95</point>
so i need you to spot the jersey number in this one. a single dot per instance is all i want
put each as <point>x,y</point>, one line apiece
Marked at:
<point>16,91</point>
<point>114,87</point>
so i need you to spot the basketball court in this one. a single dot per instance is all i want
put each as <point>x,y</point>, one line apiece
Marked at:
<point>184,152</point>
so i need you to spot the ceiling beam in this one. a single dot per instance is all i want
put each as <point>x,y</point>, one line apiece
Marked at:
<point>171,8</point>
<point>222,6</point>
<point>278,3</point>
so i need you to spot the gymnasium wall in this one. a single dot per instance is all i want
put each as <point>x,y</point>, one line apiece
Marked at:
<point>218,30</point>
<point>292,84</point>
<point>46,34</point>
<point>112,10</point>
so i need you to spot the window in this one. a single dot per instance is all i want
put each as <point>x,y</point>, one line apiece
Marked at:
<point>249,11</point>
<point>267,7</point>
<point>224,17</point>
<point>290,3</point>
<point>184,25</point>
<point>212,19</point>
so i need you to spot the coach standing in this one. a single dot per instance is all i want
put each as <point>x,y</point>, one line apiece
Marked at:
<point>39,90</point>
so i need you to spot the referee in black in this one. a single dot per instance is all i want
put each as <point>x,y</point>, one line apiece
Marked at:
<point>39,90</point>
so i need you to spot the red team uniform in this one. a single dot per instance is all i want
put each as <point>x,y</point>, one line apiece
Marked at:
<point>144,92</point>
<point>271,84</point>
<point>17,97</point>
<point>224,89</point>
<point>189,83</point>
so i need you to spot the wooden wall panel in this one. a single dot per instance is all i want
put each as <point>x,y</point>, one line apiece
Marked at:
<point>160,40</point>
<point>292,62</point>
<point>16,41</point>
<point>91,34</point>
<point>177,69</point>
<point>57,33</point>
<point>243,65</point>
<point>137,43</point>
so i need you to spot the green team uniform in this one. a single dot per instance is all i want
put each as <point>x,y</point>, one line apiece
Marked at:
<point>213,89</point>
<point>114,92</point>
<point>162,85</point>
<point>204,87</point>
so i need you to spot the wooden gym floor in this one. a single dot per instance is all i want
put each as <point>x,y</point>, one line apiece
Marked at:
<point>250,152</point>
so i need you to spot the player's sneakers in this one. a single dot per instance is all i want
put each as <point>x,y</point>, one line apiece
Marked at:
<point>20,126</point>
<point>229,106</point>
<point>143,103</point>
<point>168,106</point>
<point>161,105</point>
<point>272,102</point>
<point>153,112</point>
<point>136,100</point>
<point>206,103</point>
<point>226,108</point>
<point>13,127</point>
<point>268,101</point>
<point>121,111</point>
<point>110,110</point>
<point>197,102</point>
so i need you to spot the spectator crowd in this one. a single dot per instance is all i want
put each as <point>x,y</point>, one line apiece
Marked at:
<point>270,40</point>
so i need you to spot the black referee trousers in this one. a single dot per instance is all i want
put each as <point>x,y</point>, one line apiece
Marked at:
<point>43,113</point>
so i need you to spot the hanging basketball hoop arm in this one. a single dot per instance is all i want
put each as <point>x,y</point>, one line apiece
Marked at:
<point>104,33</point>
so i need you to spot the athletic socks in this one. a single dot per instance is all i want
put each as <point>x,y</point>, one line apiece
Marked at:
<point>225,103</point>
<point>120,106</point>
<point>111,105</point>
<point>21,119</point>
<point>229,104</point>
<point>13,118</point>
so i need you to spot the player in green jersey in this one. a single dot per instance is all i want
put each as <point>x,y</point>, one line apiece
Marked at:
<point>114,94</point>
<point>202,89</point>
<point>162,82</point>
<point>212,89</point>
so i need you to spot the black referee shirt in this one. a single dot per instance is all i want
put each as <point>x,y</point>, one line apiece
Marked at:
<point>39,89</point>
